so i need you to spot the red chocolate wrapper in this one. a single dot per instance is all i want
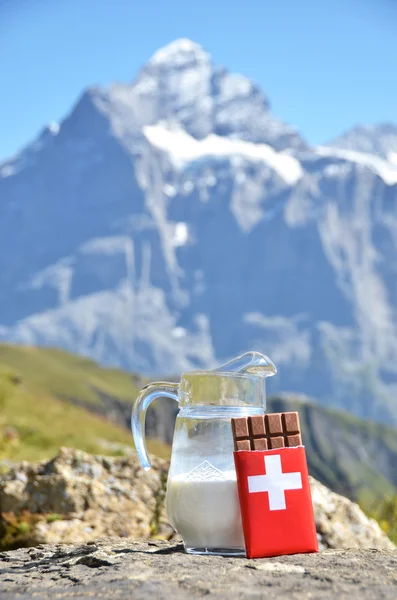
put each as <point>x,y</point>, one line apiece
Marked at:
<point>275,502</point>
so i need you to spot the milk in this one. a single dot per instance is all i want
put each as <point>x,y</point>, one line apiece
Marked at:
<point>206,513</point>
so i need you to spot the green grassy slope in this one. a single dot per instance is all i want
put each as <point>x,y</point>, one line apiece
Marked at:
<point>53,398</point>
<point>36,417</point>
<point>66,375</point>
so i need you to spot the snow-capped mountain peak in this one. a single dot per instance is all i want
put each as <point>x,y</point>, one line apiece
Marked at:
<point>179,53</point>
<point>173,222</point>
<point>181,84</point>
<point>379,139</point>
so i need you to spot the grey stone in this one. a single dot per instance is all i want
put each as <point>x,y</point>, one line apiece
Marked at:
<point>76,497</point>
<point>114,568</point>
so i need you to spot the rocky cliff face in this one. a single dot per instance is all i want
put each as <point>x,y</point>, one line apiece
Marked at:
<point>80,498</point>
<point>173,222</point>
<point>83,498</point>
<point>378,140</point>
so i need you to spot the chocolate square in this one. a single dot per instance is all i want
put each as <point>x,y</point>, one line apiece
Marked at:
<point>291,422</point>
<point>276,442</point>
<point>240,427</point>
<point>273,424</point>
<point>243,445</point>
<point>260,444</point>
<point>257,425</point>
<point>293,440</point>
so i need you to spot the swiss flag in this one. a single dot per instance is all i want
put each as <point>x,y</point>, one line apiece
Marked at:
<point>275,501</point>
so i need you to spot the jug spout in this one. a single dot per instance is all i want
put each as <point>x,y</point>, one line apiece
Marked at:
<point>250,362</point>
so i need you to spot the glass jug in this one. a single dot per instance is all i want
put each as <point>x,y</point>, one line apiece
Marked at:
<point>202,497</point>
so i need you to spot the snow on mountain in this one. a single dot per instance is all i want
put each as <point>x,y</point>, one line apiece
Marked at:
<point>173,222</point>
<point>387,170</point>
<point>179,53</point>
<point>378,139</point>
<point>183,149</point>
<point>181,85</point>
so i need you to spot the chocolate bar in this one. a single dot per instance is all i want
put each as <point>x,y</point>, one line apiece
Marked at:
<point>267,432</point>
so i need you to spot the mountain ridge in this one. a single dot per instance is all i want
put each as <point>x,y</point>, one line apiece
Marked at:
<point>175,237</point>
<point>378,139</point>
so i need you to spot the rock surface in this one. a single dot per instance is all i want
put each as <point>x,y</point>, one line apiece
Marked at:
<point>76,497</point>
<point>131,569</point>
<point>341,523</point>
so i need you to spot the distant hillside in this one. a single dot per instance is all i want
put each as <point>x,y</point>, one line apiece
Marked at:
<point>351,456</point>
<point>53,398</point>
<point>44,396</point>
<point>67,375</point>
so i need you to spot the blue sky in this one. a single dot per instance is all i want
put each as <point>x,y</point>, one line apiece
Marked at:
<point>325,64</point>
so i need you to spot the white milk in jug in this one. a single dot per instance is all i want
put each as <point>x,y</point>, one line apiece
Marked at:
<point>206,513</point>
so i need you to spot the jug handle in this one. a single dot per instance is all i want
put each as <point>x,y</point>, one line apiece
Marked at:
<point>146,396</point>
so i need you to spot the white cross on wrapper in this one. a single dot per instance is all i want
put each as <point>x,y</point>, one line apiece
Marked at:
<point>275,482</point>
